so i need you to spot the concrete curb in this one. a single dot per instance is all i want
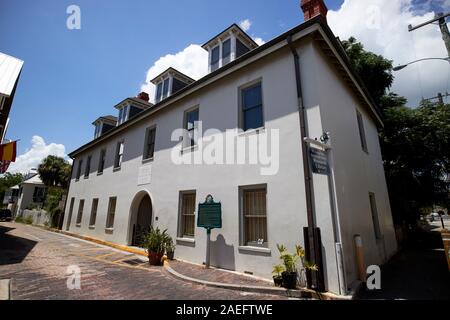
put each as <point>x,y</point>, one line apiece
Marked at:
<point>97,241</point>
<point>301,294</point>
<point>5,289</point>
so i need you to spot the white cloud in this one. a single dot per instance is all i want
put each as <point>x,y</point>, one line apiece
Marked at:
<point>259,41</point>
<point>33,156</point>
<point>382,26</point>
<point>192,61</point>
<point>245,24</point>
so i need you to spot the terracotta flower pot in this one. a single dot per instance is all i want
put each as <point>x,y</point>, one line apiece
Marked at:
<point>155,259</point>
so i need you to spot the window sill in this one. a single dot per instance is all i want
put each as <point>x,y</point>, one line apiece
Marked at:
<point>99,173</point>
<point>186,240</point>
<point>91,227</point>
<point>117,169</point>
<point>76,180</point>
<point>109,230</point>
<point>252,132</point>
<point>85,178</point>
<point>247,249</point>
<point>149,160</point>
<point>189,149</point>
<point>78,225</point>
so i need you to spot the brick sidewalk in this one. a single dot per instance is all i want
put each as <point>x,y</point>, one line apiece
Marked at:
<point>216,275</point>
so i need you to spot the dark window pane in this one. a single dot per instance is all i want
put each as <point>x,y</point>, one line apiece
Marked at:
<point>253,118</point>
<point>252,97</point>
<point>191,118</point>
<point>215,55</point>
<point>241,49</point>
<point>226,48</point>
<point>166,88</point>
<point>159,91</point>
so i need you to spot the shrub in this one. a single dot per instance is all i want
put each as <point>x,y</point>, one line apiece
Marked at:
<point>28,220</point>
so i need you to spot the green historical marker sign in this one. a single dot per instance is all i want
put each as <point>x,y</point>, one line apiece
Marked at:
<point>209,214</point>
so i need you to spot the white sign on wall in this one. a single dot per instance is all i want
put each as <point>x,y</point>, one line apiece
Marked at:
<point>144,176</point>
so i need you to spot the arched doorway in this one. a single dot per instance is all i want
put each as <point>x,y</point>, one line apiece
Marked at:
<point>141,217</point>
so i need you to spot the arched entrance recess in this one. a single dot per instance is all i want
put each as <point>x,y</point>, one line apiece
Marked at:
<point>141,217</point>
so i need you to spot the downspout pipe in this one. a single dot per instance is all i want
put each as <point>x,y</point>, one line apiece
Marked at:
<point>306,164</point>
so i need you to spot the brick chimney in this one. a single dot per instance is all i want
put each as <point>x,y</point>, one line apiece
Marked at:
<point>143,96</point>
<point>313,8</point>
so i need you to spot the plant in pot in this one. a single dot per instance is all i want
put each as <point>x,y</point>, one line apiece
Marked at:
<point>290,275</point>
<point>277,278</point>
<point>170,249</point>
<point>155,242</point>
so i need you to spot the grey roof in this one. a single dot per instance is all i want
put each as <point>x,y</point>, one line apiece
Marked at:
<point>242,32</point>
<point>10,68</point>
<point>108,118</point>
<point>176,72</point>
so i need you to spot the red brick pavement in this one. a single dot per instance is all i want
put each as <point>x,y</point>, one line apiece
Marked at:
<point>36,260</point>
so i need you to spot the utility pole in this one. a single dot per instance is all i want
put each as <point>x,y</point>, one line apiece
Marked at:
<point>440,18</point>
<point>440,97</point>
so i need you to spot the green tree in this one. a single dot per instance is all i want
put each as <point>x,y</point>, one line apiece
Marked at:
<point>415,143</point>
<point>55,174</point>
<point>55,171</point>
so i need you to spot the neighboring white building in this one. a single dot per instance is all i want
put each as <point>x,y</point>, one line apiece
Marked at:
<point>126,179</point>
<point>32,194</point>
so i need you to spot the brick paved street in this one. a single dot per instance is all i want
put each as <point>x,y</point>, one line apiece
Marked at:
<point>37,260</point>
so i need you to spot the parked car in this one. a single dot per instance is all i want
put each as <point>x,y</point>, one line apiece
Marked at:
<point>5,215</point>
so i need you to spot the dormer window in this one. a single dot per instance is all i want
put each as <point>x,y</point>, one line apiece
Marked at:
<point>170,82</point>
<point>131,107</point>
<point>228,46</point>
<point>123,114</point>
<point>103,125</point>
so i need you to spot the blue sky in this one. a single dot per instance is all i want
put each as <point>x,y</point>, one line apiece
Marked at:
<point>70,77</point>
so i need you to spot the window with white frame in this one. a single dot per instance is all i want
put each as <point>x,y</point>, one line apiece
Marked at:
<point>93,217</point>
<point>123,114</point>
<point>119,155</point>
<point>166,85</point>
<point>252,107</point>
<point>101,161</point>
<point>111,213</point>
<point>253,204</point>
<point>362,132</point>
<point>80,165</point>
<point>226,51</point>
<point>149,145</point>
<point>69,218</point>
<point>187,214</point>
<point>80,212</point>
<point>159,90</point>
<point>88,167</point>
<point>191,119</point>
<point>215,58</point>
<point>98,130</point>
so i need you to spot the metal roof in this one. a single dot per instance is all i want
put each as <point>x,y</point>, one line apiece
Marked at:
<point>10,68</point>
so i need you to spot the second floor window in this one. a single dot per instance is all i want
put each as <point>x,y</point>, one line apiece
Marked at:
<point>88,167</point>
<point>80,164</point>
<point>149,147</point>
<point>101,161</point>
<point>362,132</point>
<point>252,107</point>
<point>190,125</point>
<point>119,155</point>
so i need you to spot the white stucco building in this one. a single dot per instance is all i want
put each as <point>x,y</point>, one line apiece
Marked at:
<point>126,179</point>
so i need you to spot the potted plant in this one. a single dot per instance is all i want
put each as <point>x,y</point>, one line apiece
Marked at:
<point>290,275</point>
<point>277,278</point>
<point>170,249</point>
<point>155,242</point>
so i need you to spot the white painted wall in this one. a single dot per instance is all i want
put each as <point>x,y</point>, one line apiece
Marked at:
<point>356,172</point>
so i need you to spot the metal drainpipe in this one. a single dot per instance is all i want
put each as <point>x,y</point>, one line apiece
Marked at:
<point>306,170</point>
